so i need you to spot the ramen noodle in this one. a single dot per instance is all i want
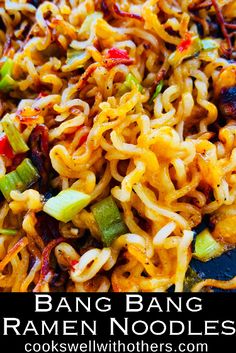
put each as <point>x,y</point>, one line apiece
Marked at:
<point>118,139</point>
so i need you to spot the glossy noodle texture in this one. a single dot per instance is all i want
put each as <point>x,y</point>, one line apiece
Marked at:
<point>130,99</point>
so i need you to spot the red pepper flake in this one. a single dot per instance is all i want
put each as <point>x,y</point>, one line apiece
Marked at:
<point>117,56</point>
<point>73,264</point>
<point>185,43</point>
<point>121,13</point>
<point>42,94</point>
<point>115,53</point>
<point>5,147</point>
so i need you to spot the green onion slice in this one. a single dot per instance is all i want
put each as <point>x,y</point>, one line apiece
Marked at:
<point>157,91</point>
<point>206,247</point>
<point>16,140</point>
<point>9,182</point>
<point>8,231</point>
<point>7,67</point>
<point>209,44</point>
<point>88,23</point>
<point>127,85</point>
<point>65,206</point>
<point>20,179</point>
<point>7,82</point>
<point>109,220</point>
<point>27,172</point>
<point>177,56</point>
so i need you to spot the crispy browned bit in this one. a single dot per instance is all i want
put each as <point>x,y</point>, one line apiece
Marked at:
<point>84,78</point>
<point>221,21</point>
<point>111,62</point>
<point>39,154</point>
<point>227,51</point>
<point>227,102</point>
<point>121,13</point>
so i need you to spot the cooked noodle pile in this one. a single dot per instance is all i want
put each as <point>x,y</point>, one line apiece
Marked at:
<point>162,143</point>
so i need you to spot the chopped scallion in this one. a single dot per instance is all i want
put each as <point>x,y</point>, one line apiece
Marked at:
<point>7,67</point>
<point>27,172</point>
<point>157,91</point>
<point>72,53</point>
<point>191,49</point>
<point>65,206</point>
<point>209,44</point>
<point>128,84</point>
<point>9,182</point>
<point>20,179</point>
<point>85,29</point>
<point>7,82</point>
<point>109,220</point>
<point>8,231</point>
<point>16,140</point>
<point>206,247</point>
<point>191,278</point>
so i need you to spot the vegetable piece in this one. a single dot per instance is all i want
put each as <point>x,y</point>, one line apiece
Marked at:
<point>188,47</point>
<point>115,53</point>
<point>206,247</point>
<point>8,231</point>
<point>66,204</point>
<point>191,278</point>
<point>109,220</point>
<point>14,136</point>
<point>128,84</point>
<point>117,56</point>
<point>76,59</point>
<point>20,179</point>
<point>7,67</point>
<point>27,172</point>
<point>7,82</point>
<point>9,182</point>
<point>85,29</point>
<point>157,91</point>
<point>209,44</point>
<point>72,53</point>
<point>5,147</point>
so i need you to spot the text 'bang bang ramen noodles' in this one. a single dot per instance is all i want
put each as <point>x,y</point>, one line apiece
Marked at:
<point>117,140</point>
